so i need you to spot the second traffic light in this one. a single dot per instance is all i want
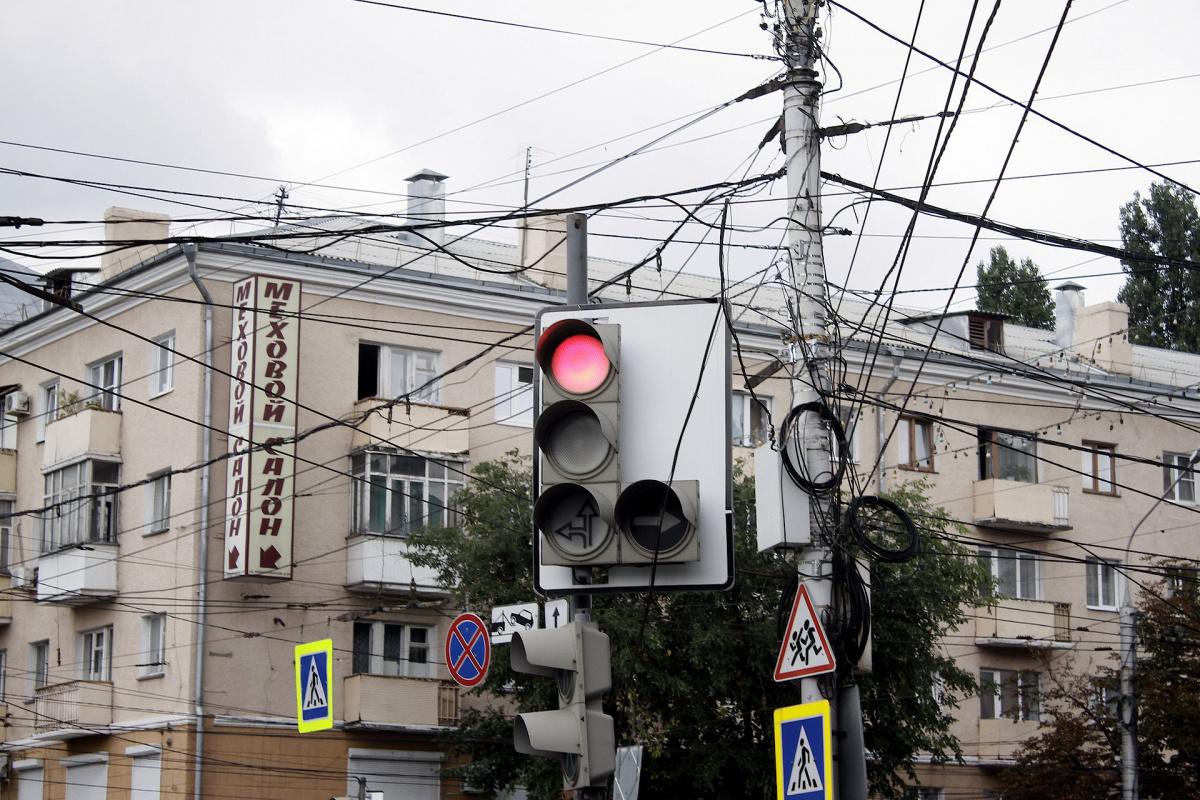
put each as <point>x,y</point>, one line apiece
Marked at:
<point>579,733</point>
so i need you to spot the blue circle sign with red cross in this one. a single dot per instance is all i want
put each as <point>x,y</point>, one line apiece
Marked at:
<point>468,649</point>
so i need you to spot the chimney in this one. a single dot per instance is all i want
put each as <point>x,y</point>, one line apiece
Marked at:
<point>1067,302</point>
<point>1104,338</point>
<point>125,224</point>
<point>543,250</point>
<point>427,202</point>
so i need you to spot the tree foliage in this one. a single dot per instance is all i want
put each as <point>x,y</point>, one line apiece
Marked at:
<point>1019,290</point>
<point>1077,754</point>
<point>692,672</point>
<point>1162,300</point>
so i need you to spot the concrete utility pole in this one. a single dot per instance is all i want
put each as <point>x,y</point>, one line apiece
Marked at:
<point>797,43</point>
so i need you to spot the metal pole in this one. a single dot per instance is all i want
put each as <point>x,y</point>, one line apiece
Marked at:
<point>577,293</point>
<point>797,42</point>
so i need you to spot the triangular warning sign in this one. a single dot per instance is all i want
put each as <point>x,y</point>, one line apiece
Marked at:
<point>314,688</point>
<point>805,649</point>
<point>805,775</point>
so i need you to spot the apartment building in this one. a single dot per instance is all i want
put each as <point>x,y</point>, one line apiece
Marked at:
<point>208,467</point>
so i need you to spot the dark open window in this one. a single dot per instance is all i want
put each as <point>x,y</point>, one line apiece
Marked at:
<point>986,333</point>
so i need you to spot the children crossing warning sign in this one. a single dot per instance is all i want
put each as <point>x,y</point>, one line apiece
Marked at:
<point>805,649</point>
<point>314,692</point>
<point>803,752</point>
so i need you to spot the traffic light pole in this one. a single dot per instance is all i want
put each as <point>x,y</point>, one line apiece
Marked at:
<point>796,39</point>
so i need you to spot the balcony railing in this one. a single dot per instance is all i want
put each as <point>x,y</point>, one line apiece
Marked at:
<point>1024,623</point>
<point>1021,507</point>
<point>412,426</point>
<point>78,575</point>
<point>389,700</point>
<point>379,563</point>
<point>92,431</point>
<point>72,709</point>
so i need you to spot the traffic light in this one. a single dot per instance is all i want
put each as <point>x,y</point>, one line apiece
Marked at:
<point>579,732</point>
<point>632,448</point>
<point>577,432</point>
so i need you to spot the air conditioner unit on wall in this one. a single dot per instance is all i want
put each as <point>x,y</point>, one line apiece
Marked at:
<point>23,577</point>
<point>16,404</point>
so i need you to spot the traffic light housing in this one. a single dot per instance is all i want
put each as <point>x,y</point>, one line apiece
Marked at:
<point>579,733</point>
<point>632,472</point>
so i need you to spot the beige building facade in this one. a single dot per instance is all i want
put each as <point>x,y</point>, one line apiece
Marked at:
<point>128,618</point>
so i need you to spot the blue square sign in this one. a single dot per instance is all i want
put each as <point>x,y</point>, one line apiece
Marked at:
<point>803,752</point>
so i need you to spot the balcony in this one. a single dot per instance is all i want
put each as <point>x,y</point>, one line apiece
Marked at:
<point>1024,623</point>
<point>371,700</point>
<point>78,575</point>
<point>1021,507</point>
<point>412,426</point>
<point>73,709</point>
<point>8,471</point>
<point>1000,739</point>
<point>92,431</point>
<point>380,564</point>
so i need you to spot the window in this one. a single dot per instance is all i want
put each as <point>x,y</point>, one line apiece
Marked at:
<point>751,420</point>
<point>158,492</point>
<point>1007,456</point>
<point>1009,694</point>
<point>393,648</point>
<point>390,371</point>
<point>29,782</point>
<point>395,493</point>
<point>87,776</point>
<point>50,397</point>
<point>394,774</point>
<point>82,503</point>
<point>145,772</point>
<point>105,377</point>
<point>39,665</point>
<point>153,661</point>
<point>3,676</point>
<point>162,364</point>
<point>915,440</point>
<point>985,333</point>
<point>1098,468</point>
<point>1179,478</point>
<point>514,394</point>
<point>924,793</point>
<point>1101,584</point>
<point>6,536</point>
<point>8,429</point>
<point>1016,573</point>
<point>95,654</point>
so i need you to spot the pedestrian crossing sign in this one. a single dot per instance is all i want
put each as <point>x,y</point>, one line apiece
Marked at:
<point>804,752</point>
<point>314,686</point>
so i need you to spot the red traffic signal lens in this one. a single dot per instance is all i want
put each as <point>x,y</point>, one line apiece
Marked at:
<point>579,364</point>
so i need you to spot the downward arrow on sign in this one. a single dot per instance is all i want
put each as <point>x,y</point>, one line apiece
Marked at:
<point>233,557</point>
<point>268,557</point>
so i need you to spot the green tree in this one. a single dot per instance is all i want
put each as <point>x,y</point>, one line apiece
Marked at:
<point>1019,290</point>
<point>1077,754</point>
<point>692,672</point>
<point>1162,299</point>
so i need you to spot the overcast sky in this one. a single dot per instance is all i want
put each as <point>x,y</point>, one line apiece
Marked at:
<point>341,101</point>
